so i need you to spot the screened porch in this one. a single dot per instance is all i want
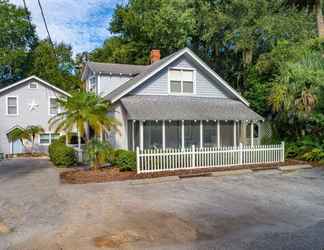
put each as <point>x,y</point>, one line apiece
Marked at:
<point>161,134</point>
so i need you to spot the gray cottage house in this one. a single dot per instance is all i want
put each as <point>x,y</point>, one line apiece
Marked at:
<point>175,102</point>
<point>31,101</point>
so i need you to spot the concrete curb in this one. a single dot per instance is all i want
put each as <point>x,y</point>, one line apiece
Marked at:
<point>154,180</point>
<point>232,172</point>
<point>294,167</point>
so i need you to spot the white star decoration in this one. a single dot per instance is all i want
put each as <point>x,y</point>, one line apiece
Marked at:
<point>33,105</point>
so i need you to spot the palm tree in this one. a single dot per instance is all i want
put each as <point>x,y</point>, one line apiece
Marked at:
<point>32,131</point>
<point>97,152</point>
<point>19,134</point>
<point>29,133</point>
<point>82,111</point>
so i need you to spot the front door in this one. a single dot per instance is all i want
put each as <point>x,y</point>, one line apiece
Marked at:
<point>17,147</point>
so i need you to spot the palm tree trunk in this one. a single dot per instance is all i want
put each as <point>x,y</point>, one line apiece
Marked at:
<point>319,17</point>
<point>247,56</point>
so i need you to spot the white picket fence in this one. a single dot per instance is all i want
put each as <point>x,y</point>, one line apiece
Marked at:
<point>155,160</point>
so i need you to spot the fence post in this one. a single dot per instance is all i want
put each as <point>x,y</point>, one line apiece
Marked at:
<point>138,160</point>
<point>283,151</point>
<point>241,154</point>
<point>193,158</point>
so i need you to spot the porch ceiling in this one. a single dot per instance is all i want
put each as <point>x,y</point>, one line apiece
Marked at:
<point>186,108</point>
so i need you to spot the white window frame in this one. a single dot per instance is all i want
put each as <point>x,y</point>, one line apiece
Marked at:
<point>50,139</point>
<point>33,83</point>
<point>90,86</point>
<point>17,104</point>
<point>194,71</point>
<point>49,106</point>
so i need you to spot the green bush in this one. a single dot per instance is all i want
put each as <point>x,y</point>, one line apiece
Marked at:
<point>314,155</point>
<point>62,155</point>
<point>125,160</point>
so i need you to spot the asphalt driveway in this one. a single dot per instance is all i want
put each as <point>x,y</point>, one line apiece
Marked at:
<point>263,210</point>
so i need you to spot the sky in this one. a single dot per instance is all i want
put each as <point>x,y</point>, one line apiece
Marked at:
<point>80,23</point>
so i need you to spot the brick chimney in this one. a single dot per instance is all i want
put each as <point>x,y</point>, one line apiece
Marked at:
<point>155,55</point>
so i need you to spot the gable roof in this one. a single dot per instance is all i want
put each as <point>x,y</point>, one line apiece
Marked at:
<point>116,68</point>
<point>37,79</point>
<point>154,68</point>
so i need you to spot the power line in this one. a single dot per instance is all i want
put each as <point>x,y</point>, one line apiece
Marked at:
<point>28,16</point>
<point>44,19</point>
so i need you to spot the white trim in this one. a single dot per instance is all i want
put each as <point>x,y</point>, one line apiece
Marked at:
<point>201,134</point>
<point>98,83</point>
<point>234,134</point>
<point>38,79</point>
<point>197,59</point>
<point>17,104</point>
<point>218,133</point>
<point>33,83</point>
<point>49,105</point>
<point>141,134</point>
<point>182,135</point>
<point>194,84</point>
<point>252,133</point>
<point>163,135</point>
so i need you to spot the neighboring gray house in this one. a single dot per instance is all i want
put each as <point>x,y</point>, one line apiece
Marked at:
<point>31,101</point>
<point>174,102</point>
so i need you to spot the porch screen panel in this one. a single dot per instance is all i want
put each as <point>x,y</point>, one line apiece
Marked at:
<point>173,134</point>
<point>136,134</point>
<point>210,133</point>
<point>130,135</point>
<point>192,133</point>
<point>152,134</point>
<point>227,133</point>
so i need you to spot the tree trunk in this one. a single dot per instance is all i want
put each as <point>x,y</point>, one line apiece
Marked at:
<point>247,56</point>
<point>319,17</point>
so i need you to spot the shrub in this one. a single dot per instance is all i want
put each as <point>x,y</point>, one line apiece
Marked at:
<point>125,160</point>
<point>61,155</point>
<point>314,155</point>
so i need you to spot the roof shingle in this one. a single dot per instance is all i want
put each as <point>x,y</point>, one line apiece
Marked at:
<point>143,107</point>
<point>116,69</point>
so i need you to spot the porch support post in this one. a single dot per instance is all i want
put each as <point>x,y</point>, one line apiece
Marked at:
<point>101,135</point>
<point>218,134</point>
<point>201,134</point>
<point>234,134</point>
<point>133,135</point>
<point>251,133</point>
<point>163,135</point>
<point>80,158</point>
<point>182,135</point>
<point>79,140</point>
<point>141,135</point>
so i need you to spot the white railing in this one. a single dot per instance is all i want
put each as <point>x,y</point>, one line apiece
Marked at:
<point>155,160</point>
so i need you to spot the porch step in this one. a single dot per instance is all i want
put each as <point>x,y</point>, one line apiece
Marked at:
<point>294,167</point>
<point>195,175</point>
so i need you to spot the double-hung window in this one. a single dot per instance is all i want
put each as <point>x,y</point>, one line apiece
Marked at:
<point>48,138</point>
<point>181,81</point>
<point>53,106</point>
<point>12,105</point>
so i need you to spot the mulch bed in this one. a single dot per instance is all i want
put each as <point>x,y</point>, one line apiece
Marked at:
<point>81,176</point>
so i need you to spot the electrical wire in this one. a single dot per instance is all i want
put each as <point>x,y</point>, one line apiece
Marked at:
<point>46,27</point>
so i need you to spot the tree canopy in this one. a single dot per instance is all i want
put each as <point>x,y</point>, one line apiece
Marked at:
<point>23,54</point>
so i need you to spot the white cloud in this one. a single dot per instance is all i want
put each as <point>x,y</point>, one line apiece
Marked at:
<point>81,23</point>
